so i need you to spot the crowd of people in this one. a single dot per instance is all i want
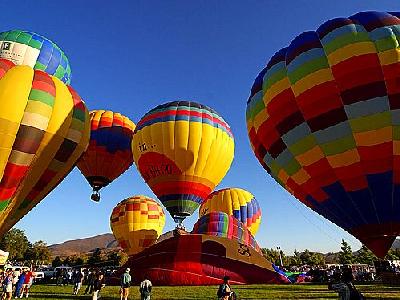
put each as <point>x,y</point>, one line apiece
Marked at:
<point>16,283</point>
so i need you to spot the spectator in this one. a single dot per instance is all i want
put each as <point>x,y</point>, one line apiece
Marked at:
<point>145,289</point>
<point>97,286</point>
<point>77,281</point>
<point>125,284</point>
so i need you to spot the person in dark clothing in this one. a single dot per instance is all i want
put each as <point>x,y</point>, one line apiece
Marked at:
<point>90,281</point>
<point>97,286</point>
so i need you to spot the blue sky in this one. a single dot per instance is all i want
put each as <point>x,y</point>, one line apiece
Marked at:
<point>129,56</point>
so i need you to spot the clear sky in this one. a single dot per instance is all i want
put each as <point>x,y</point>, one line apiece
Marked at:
<point>129,56</point>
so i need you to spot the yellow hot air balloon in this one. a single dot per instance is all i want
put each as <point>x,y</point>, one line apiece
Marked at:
<point>44,129</point>
<point>235,202</point>
<point>183,150</point>
<point>136,223</point>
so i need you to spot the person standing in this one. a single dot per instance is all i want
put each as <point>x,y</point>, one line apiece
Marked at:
<point>27,283</point>
<point>19,284</point>
<point>145,289</point>
<point>77,280</point>
<point>97,286</point>
<point>90,281</point>
<point>126,281</point>
<point>224,290</point>
<point>8,285</point>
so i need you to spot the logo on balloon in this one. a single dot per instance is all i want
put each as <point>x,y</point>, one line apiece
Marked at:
<point>6,46</point>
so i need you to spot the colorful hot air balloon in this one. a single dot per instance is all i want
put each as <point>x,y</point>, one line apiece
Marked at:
<point>109,153</point>
<point>218,223</point>
<point>183,150</point>
<point>323,119</point>
<point>235,202</point>
<point>36,51</point>
<point>136,223</point>
<point>44,129</point>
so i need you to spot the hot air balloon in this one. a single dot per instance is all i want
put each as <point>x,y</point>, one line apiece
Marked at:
<point>235,202</point>
<point>31,49</point>
<point>109,153</point>
<point>323,120</point>
<point>218,223</point>
<point>182,150</point>
<point>44,129</point>
<point>199,259</point>
<point>136,223</point>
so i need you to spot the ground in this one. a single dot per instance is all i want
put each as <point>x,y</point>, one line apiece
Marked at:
<point>295,291</point>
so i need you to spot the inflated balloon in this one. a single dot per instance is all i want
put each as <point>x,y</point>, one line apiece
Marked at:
<point>199,259</point>
<point>323,119</point>
<point>235,202</point>
<point>182,150</point>
<point>136,223</point>
<point>44,129</point>
<point>36,51</point>
<point>221,224</point>
<point>109,153</point>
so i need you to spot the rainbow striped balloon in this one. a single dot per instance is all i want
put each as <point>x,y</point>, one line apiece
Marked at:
<point>44,129</point>
<point>323,119</point>
<point>235,202</point>
<point>218,223</point>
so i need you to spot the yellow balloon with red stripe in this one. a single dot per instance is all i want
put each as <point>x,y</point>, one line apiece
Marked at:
<point>136,223</point>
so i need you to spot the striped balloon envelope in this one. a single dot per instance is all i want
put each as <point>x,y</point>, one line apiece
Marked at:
<point>31,49</point>
<point>323,119</point>
<point>218,223</point>
<point>109,153</point>
<point>235,202</point>
<point>136,223</point>
<point>182,150</point>
<point>44,129</point>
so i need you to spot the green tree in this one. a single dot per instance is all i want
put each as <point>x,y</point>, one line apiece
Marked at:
<point>273,255</point>
<point>305,257</point>
<point>365,256</point>
<point>38,253</point>
<point>96,257</point>
<point>15,242</point>
<point>295,260</point>
<point>345,254</point>
<point>56,262</point>
<point>317,259</point>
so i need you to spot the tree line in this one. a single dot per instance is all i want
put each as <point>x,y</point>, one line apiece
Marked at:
<point>344,256</point>
<point>23,251</point>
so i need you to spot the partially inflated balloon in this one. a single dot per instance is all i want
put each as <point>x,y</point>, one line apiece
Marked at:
<point>109,153</point>
<point>183,150</point>
<point>218,223</point>
<point>44,129</point>
<point>235,202</point>
<point>324,120</point>
<point>136,223</point>
<point>31,49</point>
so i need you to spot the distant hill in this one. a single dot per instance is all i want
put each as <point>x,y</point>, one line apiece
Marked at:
<point>104,241</point>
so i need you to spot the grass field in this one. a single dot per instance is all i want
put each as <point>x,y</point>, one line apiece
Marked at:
<point>301,291</point>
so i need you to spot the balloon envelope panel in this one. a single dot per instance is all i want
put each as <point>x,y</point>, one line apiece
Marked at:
<point>44,128</point>
<point>183,150</point>
<point>323,119</point>
<point>235,202</point>
<point>31,49</point>
<point>221,224</point>
<point>136,223</point>
<point>109,153</point>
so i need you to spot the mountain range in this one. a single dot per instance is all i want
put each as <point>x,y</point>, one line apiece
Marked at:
<point>105,242</point>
